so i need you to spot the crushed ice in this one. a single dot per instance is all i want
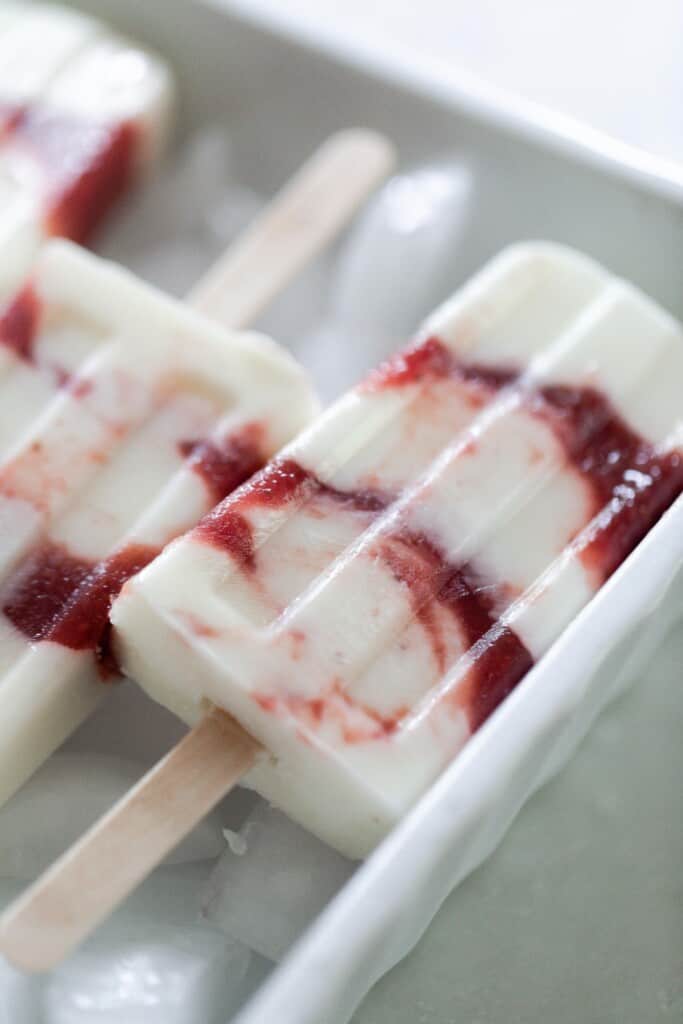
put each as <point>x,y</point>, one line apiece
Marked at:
<point>236,842</point>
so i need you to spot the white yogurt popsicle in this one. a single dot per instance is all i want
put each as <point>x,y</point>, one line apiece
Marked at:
<point>124,417</point>
<point>82,112</point>
<point>369,599</point>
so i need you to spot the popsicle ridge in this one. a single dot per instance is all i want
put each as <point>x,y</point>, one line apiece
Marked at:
<point>52,592</point>
<point>125,415</point>
<point>601,448</point>
<point>512,460</point>
<point>107,451</point>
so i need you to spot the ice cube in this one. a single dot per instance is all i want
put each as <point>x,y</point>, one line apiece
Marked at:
<point>266,896</point>
<point>66,795</point>
<point>153,961</point>
<point>234,210</point>
<point>337,356</point>
<point>129,725</point>
<point>171,231</point>
<point>21,997</point>
<point>148,975</point>
<point>259,970</point>
<point>405,253</point>
<point>302,306</point>
<point>171,896</point>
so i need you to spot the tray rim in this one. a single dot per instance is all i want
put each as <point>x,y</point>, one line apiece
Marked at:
<point>470,95</point>
<point>559,693</point>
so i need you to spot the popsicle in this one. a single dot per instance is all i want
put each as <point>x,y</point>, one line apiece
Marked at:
<point>82,113</point>
<point>365,603</point>
<point>124,417</point>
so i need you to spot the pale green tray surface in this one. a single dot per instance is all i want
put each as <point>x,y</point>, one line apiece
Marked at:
<point>578,917</point>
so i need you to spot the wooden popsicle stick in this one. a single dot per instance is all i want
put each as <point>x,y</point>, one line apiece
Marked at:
<point>81,888</point>
<point>69,900</point>
<point>307,213</point>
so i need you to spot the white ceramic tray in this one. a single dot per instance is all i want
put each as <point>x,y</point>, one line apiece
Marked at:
<point>278,98</point>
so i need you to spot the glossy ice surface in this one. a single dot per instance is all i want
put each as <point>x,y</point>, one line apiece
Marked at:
<point>81,111</point>
<point>123,418</point>
<point>369,599</point>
